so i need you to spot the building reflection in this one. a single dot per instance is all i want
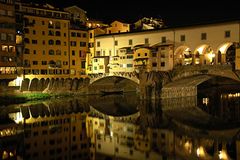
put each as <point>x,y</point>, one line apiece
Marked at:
<point>73,129</point>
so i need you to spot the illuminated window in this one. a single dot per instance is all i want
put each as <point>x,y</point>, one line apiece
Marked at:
<point>11,48</point>
<point>5,48</point>
<point>227,34</point>
<point>101,67</point>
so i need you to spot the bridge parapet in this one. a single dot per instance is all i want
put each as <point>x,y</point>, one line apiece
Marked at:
<point>217,70</point>
<point>128,75</point>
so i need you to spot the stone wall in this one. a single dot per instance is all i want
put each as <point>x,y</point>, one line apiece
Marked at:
<point>55,85</point>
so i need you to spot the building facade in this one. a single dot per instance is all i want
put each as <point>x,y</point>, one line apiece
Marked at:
<point>208,44</point>
<point>55,45</point>
<point>8,58</point>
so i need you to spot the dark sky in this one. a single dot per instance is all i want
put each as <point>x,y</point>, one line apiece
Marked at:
<point>173,12</point>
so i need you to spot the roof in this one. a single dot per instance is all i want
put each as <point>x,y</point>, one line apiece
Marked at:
<point>201,24</point>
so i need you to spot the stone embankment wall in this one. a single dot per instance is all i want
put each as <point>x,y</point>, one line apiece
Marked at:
<point>56,85</point>
<point>151,84</point>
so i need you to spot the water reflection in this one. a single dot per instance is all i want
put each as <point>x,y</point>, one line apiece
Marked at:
<point>122,127</point>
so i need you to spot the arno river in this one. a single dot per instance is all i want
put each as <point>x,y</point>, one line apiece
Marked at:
<point>123,127</point>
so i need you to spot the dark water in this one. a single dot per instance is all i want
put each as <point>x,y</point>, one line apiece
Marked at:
<point>123,127</point>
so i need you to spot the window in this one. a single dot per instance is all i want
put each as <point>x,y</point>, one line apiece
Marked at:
<point>227,34</point>
<point>116,43</point>
<point>138,54</point>
<point>78,34</point>
<point>154,54</point>
<point>58,33</point>
<point>35,62</point>
<point>73,43</point>
<point>203,36</point>
<point>154,64</point>
<point>91,35</point>
<point>162,55</point>
<point>43,22</point>
<point>162,64</point>
<point>50,42</point>
<point>146,40</point>
<point>83,63</point>
<point>34,52</point>
<point>73,53</point>
<point>130,42</point>
<point>83,44</point>
<point>84,35</point>
<point>129,65</point>
<point>98,44</point>
<point>34,32</point>
<point>3,36</point>
<point>182,38</point>
<point>145,54</point>
<point>44,62</point>
<point>34,41</point>
<point>58,42</point>
<point>58,52</point>
<point>73,34</point>
<point>51,33</point>
<point>43,33</point>
<point>164,39</point>
<point>73,62</point>
<point>51,52</point>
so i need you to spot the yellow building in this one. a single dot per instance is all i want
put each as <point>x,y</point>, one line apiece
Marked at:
<point>89,56</point>
<point>55,44</point>
<point>8,65</point>
<point>123,62</point>
<point>118,27</point>
<point>46,52</point>
<point>57,132</point>
<point>78,51</point>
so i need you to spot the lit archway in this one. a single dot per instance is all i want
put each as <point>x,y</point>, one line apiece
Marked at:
<point>226,53</point>
<point>204,55</point>
<point>183,56</point>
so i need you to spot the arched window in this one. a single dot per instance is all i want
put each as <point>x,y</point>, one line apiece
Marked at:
<point>58,52</point>
<point>58,33</point>
<point>58,42</point>
<point>51,52</point>
<point>57,25</point>
<point>50,42</point>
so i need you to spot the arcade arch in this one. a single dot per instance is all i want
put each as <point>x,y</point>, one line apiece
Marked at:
<point>183,56</point>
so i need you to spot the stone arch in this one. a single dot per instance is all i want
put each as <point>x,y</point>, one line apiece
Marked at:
<point>183,56</point>
<point>224,52</point>
<point>204,54</point>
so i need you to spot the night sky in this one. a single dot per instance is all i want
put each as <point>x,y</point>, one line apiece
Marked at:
<point>173,12</point>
